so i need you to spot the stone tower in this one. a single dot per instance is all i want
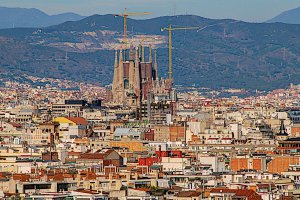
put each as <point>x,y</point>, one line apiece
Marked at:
<point>135,78</point>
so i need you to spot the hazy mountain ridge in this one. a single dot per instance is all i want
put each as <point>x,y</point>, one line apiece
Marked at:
<point>31,17</point>
<point>288,17</point>
<point>228,53</point>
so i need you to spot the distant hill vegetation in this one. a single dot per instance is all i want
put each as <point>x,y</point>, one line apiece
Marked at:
<point>288,17</point>
<point>24,17</point>
<point>227,53</point>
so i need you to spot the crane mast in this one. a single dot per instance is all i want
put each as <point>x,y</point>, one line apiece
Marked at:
<point>125,15</point>
<point>170,29</point>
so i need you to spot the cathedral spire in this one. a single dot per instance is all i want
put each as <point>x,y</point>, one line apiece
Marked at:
<point>150,54</point>
<point>143,53</point>
<point>137,75</point>
<point>116,59</point>
<point>140,51</point>
<point>136,59</point>
<point>155,66</point>
<point>116,76</point>
<point>131,52</point>
<point>131,70</point>
<point>121,76</point>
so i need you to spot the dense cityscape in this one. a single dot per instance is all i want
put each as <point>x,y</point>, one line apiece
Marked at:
<point>91,143</point>
<point>142,137</point>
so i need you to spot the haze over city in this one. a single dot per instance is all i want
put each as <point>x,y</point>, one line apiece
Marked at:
<point>150,100</point>
<point>246,10</point>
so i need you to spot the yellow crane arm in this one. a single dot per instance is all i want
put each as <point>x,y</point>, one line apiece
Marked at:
<point>181,28</point>
<point>125,15</point>
<point>132,14</point>
<point>137,13</point>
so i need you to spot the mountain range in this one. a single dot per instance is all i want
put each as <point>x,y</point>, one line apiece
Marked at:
<point>32,17</point>
<point>288,17</point>
<point>24,17</point>
<point>227,53</point>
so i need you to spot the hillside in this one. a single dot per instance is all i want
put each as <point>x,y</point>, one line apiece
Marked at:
<point>24,17</point>
<point>23,58</point>
<point>226,54</point>
<point>288,17</point>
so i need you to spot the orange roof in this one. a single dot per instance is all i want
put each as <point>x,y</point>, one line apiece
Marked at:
<point>81,140</point>
<point>189,194</point>
<point>87,191</point>
<point>16,125</point>
<point>21,177</point>
<point>78,120</point>
<point>73,153</point>
<point>142,189</point>
<point>250,194</point>
<point>92,156</point>
<point>109,152</point>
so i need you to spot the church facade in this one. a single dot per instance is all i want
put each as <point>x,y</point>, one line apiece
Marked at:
<point>136,80</point>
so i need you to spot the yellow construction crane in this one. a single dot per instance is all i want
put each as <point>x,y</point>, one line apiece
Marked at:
<point>125,15</point>
<point>170,29</point>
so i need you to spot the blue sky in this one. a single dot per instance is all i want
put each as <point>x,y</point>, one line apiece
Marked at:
<point>247,10</point>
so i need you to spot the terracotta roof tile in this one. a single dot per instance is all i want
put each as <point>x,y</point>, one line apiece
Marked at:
<point>250,194</point>
<point>92,156</point>
<point>78,120</point>
<point>16,125</point>
<point>189,194</point>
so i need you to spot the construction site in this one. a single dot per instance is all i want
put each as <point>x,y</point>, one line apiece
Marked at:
<point>136,82</point>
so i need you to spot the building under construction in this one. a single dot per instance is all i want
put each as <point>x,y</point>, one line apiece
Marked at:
<point>136,79</point>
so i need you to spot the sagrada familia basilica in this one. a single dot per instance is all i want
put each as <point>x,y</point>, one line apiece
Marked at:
<point>136,80</point>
